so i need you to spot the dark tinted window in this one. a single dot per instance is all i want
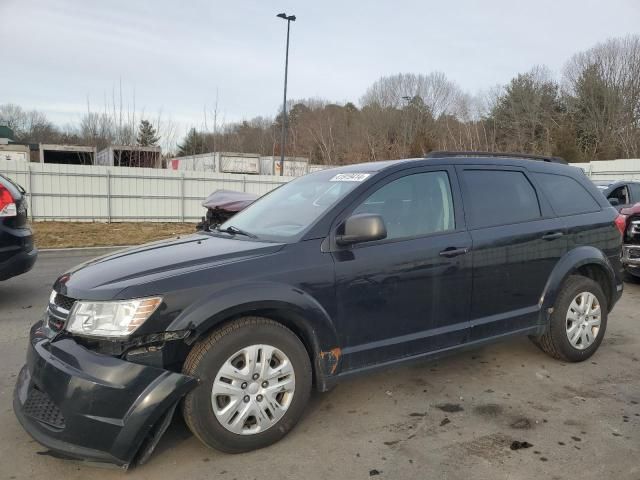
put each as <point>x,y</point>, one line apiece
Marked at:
<point>635,192</point>
<point>566,195</point>
<point>418,204</point>
<point>499,197</point>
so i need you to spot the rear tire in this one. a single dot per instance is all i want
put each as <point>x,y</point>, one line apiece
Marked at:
<point>578,322</point>
<point>256,413</point>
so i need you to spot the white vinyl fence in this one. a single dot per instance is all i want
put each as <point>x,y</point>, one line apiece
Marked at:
<point>120,194</point>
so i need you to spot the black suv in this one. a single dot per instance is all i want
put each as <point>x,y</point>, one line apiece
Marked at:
<point>335,273</point>
<point>17,253</point>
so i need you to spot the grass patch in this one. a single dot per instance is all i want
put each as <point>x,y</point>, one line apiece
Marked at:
<point>85,234</point>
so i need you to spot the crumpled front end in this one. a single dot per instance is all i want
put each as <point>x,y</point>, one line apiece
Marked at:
<point>90,406</point>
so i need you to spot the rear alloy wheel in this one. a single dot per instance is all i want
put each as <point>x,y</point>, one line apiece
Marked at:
<point>578,322</point>
<point>583,320</point>
<point>255,381</point>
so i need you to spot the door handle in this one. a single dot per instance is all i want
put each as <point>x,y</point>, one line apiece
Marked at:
<point>453,252</point>
<point>552,235</point>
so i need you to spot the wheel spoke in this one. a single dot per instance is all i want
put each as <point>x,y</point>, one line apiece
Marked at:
<point>595,311</point>
<point>585,342</point>
<point>252,354</point>
<point>276,409</point>
<point>572,314</point>
<point>243,413</point>
<point>287,384</point>
<point>575,307</point>
<point>594,322</point>
<point>588,337</point>
<point>225,414</point>
<point>232,373</point>
<point>267,353</point>
<point>285,368</point>
<point>261,414</point>
<point>224,388</point>
<point>573,329</point>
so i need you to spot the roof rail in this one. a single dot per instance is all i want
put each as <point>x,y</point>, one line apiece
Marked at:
<point>447,154</point>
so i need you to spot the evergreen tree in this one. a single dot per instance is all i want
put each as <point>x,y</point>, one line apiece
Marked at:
<point>147,135</point>
<point>193,144</point>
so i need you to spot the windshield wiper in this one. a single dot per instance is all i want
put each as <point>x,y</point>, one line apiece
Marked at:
<point>233,230</point>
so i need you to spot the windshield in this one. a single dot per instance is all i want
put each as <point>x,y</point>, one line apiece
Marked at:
<point>286,213</point>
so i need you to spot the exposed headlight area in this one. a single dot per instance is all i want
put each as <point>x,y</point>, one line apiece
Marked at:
<point>110,319</point>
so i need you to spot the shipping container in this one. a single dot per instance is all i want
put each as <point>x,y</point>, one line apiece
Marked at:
<point>205,162</point>
<point>15,153</point>
<point>222,162</point>
<point>130,156</point>
<point>293,166</point>
<point>239,163</point>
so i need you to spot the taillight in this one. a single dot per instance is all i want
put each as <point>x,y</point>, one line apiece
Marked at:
<point>7,203</point>
<point>621,223</point>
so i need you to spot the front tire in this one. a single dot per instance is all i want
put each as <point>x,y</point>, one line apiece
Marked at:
<point>255,381</point>
<point>578,322</point>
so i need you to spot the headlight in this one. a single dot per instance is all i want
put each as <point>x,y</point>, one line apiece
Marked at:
<point>111,319</point>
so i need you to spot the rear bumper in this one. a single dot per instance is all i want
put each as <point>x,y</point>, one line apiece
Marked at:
<point>89,406</point>
<point>18,264</point>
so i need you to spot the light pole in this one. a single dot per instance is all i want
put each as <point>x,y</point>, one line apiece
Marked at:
<point>289,19</point>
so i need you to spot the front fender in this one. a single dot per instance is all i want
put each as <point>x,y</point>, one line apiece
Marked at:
<point>568,265</point>
<point>286,303</point>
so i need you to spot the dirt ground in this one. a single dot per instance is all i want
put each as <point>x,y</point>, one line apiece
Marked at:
<point>85,234</point>
<point>454,419</point>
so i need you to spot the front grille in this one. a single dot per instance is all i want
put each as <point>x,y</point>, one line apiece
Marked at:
<point>40,407</point>
<point>63,302</point>
<point>58,311</point>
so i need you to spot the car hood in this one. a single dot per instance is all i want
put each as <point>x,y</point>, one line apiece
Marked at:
<point>104,277</point>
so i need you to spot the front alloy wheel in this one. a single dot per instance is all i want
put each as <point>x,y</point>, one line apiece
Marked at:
<point>253,389</point>
<point>255,381</point>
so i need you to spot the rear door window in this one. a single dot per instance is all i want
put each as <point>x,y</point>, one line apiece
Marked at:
<point>566,195</point>
<point>499,197</point>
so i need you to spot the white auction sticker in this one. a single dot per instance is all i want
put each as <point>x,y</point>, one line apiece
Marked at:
<point>350,177</point>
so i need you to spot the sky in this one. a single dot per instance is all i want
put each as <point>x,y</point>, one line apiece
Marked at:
<point>175,57</point>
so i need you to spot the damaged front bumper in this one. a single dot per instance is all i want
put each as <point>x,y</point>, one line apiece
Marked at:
<point>94,407</point>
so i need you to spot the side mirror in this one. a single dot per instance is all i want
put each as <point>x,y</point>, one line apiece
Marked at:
<point>364,227</point>
<point>614,202</point>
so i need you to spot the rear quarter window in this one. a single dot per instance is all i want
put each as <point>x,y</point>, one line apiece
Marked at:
<point>566,195</point>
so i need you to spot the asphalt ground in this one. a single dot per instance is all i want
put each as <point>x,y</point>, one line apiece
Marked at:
<point>452,419</point>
